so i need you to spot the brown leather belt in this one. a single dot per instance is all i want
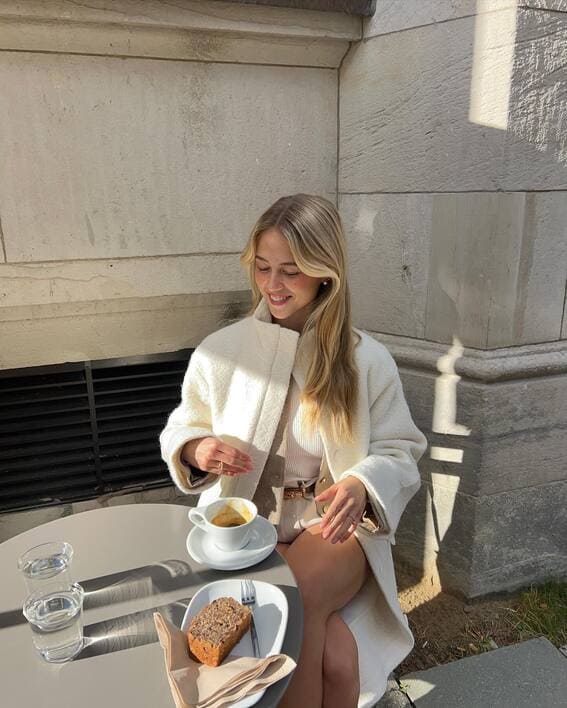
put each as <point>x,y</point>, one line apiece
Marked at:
<point>302,490</point>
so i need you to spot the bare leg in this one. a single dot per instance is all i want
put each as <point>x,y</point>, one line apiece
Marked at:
<point>341,680</point>
<point>329,576</point>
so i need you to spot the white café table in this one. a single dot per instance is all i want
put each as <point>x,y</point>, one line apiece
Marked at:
<point>130,560</point>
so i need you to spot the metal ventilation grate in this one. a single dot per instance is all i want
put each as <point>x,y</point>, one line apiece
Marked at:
<point>75,431</point>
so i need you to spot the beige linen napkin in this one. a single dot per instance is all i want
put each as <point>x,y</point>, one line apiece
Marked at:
<point>195,685</point>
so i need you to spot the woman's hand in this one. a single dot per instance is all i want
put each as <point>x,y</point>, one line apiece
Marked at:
<point>213,455</point>
<point>343,515</point>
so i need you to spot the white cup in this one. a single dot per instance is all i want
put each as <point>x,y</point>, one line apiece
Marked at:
<point>227,538</point>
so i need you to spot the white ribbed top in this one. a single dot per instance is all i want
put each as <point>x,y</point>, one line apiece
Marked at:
<point>304,451</point>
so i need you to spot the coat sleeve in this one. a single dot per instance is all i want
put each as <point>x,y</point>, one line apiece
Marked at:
<point>190,420</point>
<point>389,472</point>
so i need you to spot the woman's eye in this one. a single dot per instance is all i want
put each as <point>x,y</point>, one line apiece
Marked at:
<point>291,275</point>
<point>262,270</point>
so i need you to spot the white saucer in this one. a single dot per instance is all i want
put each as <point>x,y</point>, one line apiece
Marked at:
<point>262,542</point>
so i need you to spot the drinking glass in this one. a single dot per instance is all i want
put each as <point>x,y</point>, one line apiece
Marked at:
<point>56,622</point>
<point>54,604</point>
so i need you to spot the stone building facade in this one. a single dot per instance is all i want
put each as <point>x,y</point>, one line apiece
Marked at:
<point>141,140</point>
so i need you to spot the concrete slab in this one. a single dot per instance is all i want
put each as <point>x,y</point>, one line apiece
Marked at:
<point>525,675</point>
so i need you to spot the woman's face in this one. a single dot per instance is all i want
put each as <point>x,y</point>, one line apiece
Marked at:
<point>288,292</point>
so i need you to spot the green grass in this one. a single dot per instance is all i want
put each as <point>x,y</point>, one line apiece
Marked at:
<point>543,611</point>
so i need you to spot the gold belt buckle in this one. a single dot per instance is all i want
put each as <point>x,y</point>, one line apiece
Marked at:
<point>295,492</point>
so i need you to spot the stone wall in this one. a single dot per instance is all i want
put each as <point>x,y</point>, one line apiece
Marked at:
<point>139,144</point>
<point>452,179</point>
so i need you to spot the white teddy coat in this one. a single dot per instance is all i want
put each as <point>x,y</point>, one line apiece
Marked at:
<point>235,388</point>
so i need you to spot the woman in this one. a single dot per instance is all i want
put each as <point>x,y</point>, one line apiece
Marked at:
<point>295,409</point>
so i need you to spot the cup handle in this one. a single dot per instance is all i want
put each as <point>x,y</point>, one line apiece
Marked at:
<point>197,518</point>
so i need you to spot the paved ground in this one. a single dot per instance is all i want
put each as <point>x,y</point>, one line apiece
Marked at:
<point>532,674</point>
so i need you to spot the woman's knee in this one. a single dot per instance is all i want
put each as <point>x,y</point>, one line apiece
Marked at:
<point>340,655</point>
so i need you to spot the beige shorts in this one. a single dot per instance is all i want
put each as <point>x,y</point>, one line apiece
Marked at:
<point>297,515</point>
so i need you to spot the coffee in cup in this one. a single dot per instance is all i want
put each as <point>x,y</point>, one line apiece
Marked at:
<point>227,521</point>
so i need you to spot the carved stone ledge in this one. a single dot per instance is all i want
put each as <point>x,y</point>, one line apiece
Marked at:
<point>533,360</point>
<point>188,30</point>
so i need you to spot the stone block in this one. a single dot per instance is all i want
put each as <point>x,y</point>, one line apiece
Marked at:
<point>489,269</point>
<point>519,539</point>
<point>497,268</point>
<point>388,237</point>
<point>404,115</point>
<point>523,441</point>
<point>55,283</point>
<point>519,676</point>
<point>397,15</point>
<point>456,106</point>
<point>77,185</point>
<point>542,276</point>
<point>116,328</point>
<point>474,267</point>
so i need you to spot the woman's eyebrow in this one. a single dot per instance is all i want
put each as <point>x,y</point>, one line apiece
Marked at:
<point>288,263</point>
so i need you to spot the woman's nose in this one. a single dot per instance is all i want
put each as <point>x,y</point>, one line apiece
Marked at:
<point>274,281</point>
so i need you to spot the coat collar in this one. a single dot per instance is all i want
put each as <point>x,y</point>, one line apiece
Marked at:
<point>302,344</point>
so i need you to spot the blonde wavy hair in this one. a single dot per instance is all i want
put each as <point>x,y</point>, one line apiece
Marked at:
<point>314,232</point>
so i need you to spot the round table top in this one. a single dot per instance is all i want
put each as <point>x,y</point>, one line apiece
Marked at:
<point>130,560</point>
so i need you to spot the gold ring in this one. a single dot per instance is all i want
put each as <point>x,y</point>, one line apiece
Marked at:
<point>221,466</point>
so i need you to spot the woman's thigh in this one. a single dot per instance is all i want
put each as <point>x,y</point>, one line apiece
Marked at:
<point>329,575</point>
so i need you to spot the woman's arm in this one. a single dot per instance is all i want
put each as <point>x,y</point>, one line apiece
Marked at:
<point>194,456</point>
<point>191,420</point>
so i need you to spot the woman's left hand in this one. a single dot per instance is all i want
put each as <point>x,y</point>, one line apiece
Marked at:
<point>343,515</point>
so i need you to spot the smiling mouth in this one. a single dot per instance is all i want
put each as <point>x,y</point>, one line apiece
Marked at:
<point>278,301</point>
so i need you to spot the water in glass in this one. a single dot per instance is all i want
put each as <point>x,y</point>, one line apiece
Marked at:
<point>47,567</point>
<point>55,621</point>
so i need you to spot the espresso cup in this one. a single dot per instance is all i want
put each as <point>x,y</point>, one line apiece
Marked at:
<point>230,509</point>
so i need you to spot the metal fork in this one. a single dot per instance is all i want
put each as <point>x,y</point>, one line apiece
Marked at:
<point>248,597</point>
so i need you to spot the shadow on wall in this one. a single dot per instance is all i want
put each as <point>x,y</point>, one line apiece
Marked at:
<point>439,525</point>
<point>516,81</point>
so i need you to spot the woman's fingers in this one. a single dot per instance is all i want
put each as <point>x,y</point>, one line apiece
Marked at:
<point>213,455</point>
<point>230,461</point>
<point>350,531</point>
<point>341,531</point>
<point>339,517</point>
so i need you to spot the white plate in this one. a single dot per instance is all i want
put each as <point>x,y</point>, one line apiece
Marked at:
<point>270,616</point>
<point>263,539</point>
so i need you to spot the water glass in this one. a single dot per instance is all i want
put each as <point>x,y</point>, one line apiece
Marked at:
<point>47,567</point>
<point>56,622</point>
<point>54,604</point>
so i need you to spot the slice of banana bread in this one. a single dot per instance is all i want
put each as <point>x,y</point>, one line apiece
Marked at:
<point>217,628</point>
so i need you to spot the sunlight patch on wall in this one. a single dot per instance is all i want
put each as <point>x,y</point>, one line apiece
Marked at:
<point>493,63</point>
